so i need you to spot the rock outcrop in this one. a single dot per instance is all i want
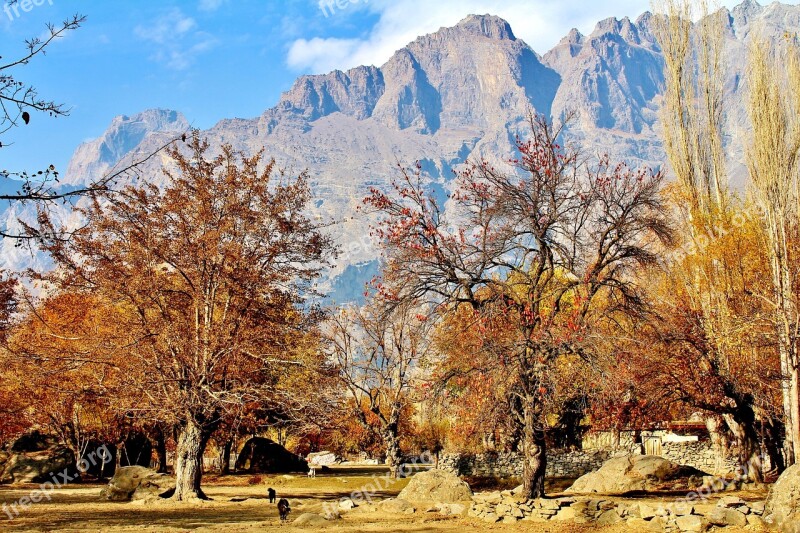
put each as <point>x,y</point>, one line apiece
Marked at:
<point>622,475</point>
<point>132,483</point>
<point>35,458</point>
<point>323,458</point>
<point>263,456</point>
<point>783,503</point>
<point>435,486</point>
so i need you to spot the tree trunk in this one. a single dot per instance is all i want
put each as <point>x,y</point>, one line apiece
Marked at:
<point>225,468</point>
<point>534,451</point>
<point>772,436</point>
<point>794,405</point>
<point>789,377</point>
<point>161,449</point>
<point>742,423</point>
<point>719,443</point>
<point>120,449</point>
<point>391,442</point>
<point>189,462</point>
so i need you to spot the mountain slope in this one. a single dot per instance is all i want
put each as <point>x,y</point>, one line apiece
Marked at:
<point>457,93</point>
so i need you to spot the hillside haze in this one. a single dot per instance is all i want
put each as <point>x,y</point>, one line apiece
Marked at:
<point>459,93</point>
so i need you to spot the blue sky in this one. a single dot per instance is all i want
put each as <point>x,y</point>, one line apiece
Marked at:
<point>215,59</point>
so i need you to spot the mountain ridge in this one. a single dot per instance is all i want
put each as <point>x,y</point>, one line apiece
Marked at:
<point>458,93</point>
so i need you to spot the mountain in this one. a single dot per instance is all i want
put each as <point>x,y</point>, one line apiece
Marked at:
<point>459,93</point>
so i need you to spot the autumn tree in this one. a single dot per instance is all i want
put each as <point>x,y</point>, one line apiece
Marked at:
<point>471,380</point>
<point>62,358</point>
<point>544,243</point>
<point>694,110</point>
<point>378,351</point>
<point>210,273</point>
<point>773,160</point>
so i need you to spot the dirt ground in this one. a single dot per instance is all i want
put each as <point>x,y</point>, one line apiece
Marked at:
<point>239,503</point>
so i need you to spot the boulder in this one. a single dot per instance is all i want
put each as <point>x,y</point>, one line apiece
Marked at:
<point>783,503</point>
<point>451,509</point>
<point>137,483</point>
<point>395,505</point>
<point>722,516</point>
<point>622,475</point>
<point>35,458</point>
<point>691,523</point>
<point>310,519</point>
<point>347,504</point>
<point>436,486</point>
<point>323,458</point>
<point>263,456</point>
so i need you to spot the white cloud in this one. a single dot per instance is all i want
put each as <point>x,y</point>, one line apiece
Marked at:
<point>210,5</point>
<point>176,39</point>
<point>541,23</point>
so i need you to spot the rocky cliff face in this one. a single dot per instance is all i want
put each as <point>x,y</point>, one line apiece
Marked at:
<point>458,93</point>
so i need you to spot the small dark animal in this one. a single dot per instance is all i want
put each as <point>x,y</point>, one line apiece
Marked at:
<point>271,494</point>
<point>283,509</point>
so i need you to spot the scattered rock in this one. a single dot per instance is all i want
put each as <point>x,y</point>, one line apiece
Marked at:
<point>608,518</point>
<point>730,502</point>
<point>721,516</point>
<point>451,509</point>
<point>637,524</point>
<point>567,513</point>
<point>347,504</point>
<point>646,512</point>
<point>691,523</point>
<point>396,505</point>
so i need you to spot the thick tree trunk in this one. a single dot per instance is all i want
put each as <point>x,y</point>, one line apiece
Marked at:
<point>225,468</point>
<point>391,442</point>
<point>743,425</point>
<point>534,452</point>
<point>719,443</point>
<point>189,462</point>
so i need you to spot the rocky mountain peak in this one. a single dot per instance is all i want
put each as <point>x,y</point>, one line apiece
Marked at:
<point>94,158</point>
<point>486,26</point>
<point>747,9</point>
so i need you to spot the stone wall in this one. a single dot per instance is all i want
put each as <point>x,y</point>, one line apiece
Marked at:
<point>573,464</point>
<point>560,463</point>
<point>699,455</point>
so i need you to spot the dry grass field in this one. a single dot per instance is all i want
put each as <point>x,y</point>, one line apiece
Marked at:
<point>239,503</point>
